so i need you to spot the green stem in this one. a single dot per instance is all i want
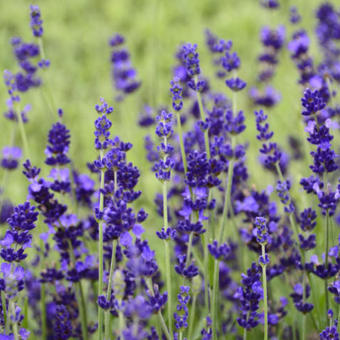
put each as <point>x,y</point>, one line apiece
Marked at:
<point>303,300</point>
<point>165,329</point>
<point>4,307</point>
<point>214,298</point>
<point>192,316</point>
<point>82,310</point>
<point>227,197</point>
<point>181,143</point>
<point>168,283</point>
<point>43,312</point>
<point>121,322</point>
<point>244,333</point>
<point>22,132</point>
<point>206,271</point>
<point>15,324</point>
<point>100,252</point>
<point>162,322</point>
<point>48,90</point>
<point>202,113</point>
<point>189,249</point>
<point>338,318</point>
<point>265,295</point>
<point>108,292</point>
<point>80,299</point>
<point>326,262</point>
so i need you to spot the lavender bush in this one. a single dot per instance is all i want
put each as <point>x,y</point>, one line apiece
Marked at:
<point>215,254</point>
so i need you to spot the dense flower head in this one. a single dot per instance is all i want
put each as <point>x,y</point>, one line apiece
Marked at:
<point>330,333</point>
<point>102,125</point>
<point>57,149</point>
<point>189,271</point>
<point>235,122</point>
<point>219,252</point>
<point>328,24</point>
<point>124,75</point>
<point>12,281</point>
<point>191,59</point>
<point>307,243</point>
<point>282,189</point>
<point>249,296</point>
<point>298,298</point>
<point>268,97</point>
<point>181,316</point>
<point>313,102</point>
<point>216,45</point>
<point>165,124</point>
<point>176,90</point>
<point>36,21</point>
<point>308,219</point>
<point>236,84</point>
<point>156,300</point>
<point>166,234</point>
<point>10,157</point>
<point>18,237</point>
<point>165,163</point>
<point>299,45</point>
<point>295,17</point>
<point>261,231</point>
<point>273,38</point>
<point>26,78</point>
<point>262,126</point>
<point>231,61</point>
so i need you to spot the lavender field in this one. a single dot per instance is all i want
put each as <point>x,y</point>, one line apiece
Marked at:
<point>170,170</point>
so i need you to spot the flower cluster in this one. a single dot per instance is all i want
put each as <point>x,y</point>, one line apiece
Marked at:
<point>123,73</point>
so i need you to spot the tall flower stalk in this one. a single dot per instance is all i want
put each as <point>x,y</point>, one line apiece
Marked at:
<point>102,134</point>
<point>162,169</point>
<point>262,238</point>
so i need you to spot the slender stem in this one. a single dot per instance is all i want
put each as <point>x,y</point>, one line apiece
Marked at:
<point>181,143</point>
<point>15,324</point>
<point>48,90</point>
<point>244,333</point>
<point>189,249</point>
<point>165,329</point>
<point>80,299</point>
<point>202,113</point>
<point>162,322</point>
<point>121,322</point>
<point>326,261</point>
<point>82,309</point>
<point>108,292</point>
<point>4,306</point>
<point>168,283</point>
<point>192,316</point>
<point>303,301</point>
<point>227,197</point>
<point>214,298</point>
<point>43,312</point>
<point>206,270</point>
<point>22,132</point>
<point>100,252</point>
<point>265,295</point>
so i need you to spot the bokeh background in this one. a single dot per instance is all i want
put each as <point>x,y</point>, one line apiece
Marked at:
<point>76,42</point>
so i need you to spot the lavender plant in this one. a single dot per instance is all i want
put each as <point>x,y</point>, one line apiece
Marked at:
<point>89,255</point>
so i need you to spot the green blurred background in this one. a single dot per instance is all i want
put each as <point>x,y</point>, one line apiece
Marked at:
<point>76,42</point>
